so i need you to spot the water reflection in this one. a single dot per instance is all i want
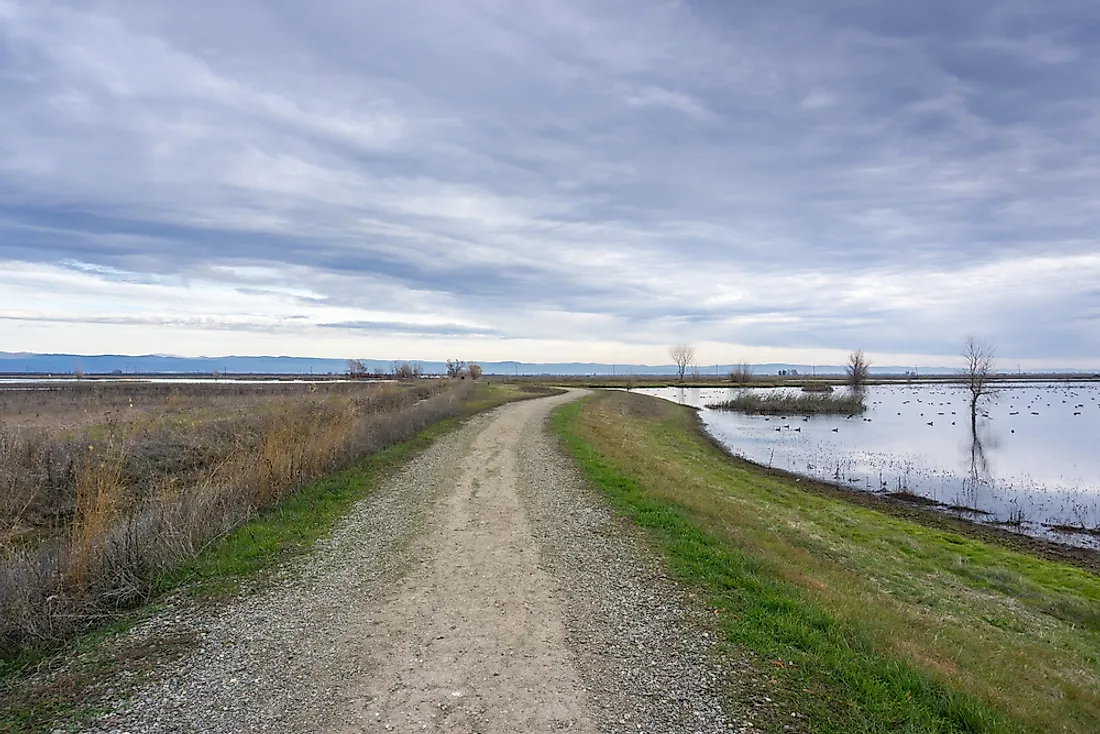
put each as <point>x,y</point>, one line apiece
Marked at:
<point>981,435</point>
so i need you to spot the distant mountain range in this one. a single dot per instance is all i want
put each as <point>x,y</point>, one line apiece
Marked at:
<point>15,363</point>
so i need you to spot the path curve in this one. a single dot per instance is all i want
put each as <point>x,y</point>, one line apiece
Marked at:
<point>485,588</point>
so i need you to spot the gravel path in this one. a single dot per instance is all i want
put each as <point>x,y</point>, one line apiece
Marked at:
<point>486,588</point>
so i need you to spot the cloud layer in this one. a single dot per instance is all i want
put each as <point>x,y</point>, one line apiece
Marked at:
<point>551,180</point>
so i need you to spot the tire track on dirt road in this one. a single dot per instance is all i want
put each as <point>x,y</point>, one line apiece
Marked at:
<point>485,588</point>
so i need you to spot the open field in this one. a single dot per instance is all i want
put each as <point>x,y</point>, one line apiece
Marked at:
<point>102,500</point>
<point>871,622</point>
<point>60,404</point>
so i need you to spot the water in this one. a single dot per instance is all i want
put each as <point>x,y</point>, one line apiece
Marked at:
<point>1034,466</point>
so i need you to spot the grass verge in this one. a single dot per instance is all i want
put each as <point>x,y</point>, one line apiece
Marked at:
<point>871,623</point>
<point>48,687</point>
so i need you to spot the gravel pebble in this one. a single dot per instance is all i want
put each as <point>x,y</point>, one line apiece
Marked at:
<point>646,650</point>
<point>249,671</point>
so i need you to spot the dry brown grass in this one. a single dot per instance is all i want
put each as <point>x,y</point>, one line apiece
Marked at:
<point>97,498</point>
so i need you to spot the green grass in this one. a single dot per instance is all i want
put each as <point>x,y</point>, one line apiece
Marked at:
<point>805,403</point>
<point>93,661</point>
<point>867,622</point>
<point>230,566</point>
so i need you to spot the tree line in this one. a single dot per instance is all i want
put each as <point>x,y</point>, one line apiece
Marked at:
<point>357,369</point>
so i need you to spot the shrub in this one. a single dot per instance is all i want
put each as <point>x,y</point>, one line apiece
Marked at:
<point>741,374</point>
<point>97,511</point>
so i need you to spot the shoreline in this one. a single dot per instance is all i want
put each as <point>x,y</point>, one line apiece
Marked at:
<point>920,511</point>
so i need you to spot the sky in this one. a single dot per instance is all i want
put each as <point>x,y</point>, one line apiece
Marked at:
<point>552,180</point>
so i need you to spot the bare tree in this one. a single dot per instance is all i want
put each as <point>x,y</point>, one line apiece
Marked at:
<point>858,368</point>
<point>455,368</point>
<point>683,355</point>
<point>741,374</point>
<point>404,371</point>
<point>978,375</point>
<point>356,369</point>
<point>474,369</point>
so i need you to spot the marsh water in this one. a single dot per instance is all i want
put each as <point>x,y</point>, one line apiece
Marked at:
<point>1033,465</point>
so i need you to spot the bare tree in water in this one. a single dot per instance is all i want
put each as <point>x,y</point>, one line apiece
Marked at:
<point>858,368</point>
<point>978,375</point>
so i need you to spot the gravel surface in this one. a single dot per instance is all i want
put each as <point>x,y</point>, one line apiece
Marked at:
<point>646,651</point>
<point>485,588</point>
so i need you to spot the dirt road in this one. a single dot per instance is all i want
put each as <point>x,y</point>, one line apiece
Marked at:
<point>486,588</point>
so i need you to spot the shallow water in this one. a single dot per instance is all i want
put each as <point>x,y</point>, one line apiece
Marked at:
<point>1035,461</point>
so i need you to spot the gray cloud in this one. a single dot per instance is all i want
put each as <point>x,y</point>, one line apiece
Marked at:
<point>153,322</point>
<point>391,327</point>
<point>789,175</point>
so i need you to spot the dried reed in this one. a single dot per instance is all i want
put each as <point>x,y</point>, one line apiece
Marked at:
<point>90,514</point>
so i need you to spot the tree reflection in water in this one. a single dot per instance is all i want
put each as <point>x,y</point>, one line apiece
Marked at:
<point>981,438</point>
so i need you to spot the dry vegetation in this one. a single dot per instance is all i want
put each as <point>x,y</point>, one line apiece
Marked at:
<point>105,486</point>
<point>813,402</point>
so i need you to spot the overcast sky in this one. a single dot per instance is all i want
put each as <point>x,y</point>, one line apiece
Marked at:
<point>552,180</point>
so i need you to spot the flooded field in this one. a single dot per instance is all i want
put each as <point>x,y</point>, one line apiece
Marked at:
<point>1033,464</point>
